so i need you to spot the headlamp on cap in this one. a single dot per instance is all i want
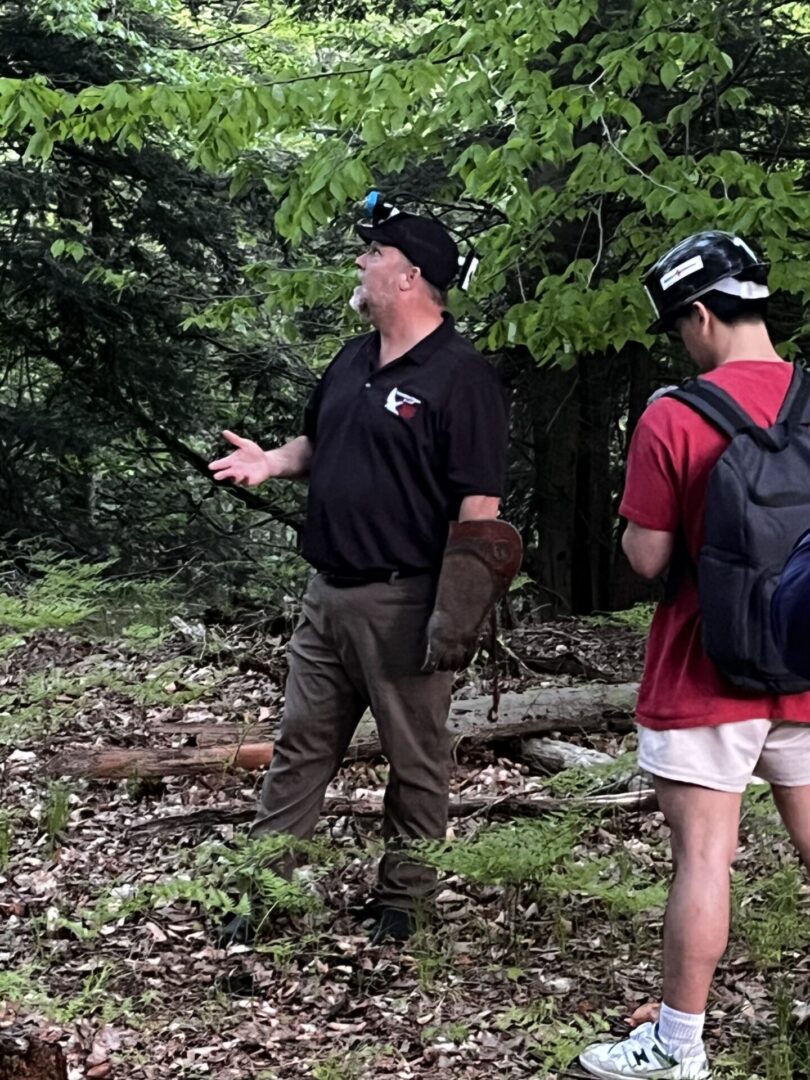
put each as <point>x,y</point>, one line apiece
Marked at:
<point>426,241</point>
<point>376,209</point>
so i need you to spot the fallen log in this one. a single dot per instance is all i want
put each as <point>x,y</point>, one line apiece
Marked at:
<point>584,709</point>
<point>483,806</point>
<point>554,755</point>
<point>121,763</point>
<point>210,733</point>
<point>597,707</point>
<point>24,1057</point>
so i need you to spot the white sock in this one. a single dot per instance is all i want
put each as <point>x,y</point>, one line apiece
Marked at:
<point>679,1030</point>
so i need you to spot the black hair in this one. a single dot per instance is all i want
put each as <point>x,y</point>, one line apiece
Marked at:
<point>734,309</point>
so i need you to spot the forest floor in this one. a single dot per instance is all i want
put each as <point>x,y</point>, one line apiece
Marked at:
<point>547,936</point>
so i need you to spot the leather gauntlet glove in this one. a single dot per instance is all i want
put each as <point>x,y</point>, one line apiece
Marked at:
<point>480,561</point>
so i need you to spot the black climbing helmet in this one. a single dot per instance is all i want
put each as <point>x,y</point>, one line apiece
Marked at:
<point>701,263</point>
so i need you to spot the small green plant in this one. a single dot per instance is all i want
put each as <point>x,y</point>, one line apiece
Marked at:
<point>244,867</point>
<point>165,686</point>
<point>760,814</point>
<point>34,722</point>
<point>344,1066</point>
<point>94,996</point>
<point>588,779</point>
<point>7,818</point>
<point>144,637</point>
<point>554,1041</point>
<point>519,853</point>
<point>619,882</point>
<point>57,811</point>
<point>518,856</point>
<point>21,985</point>
<point>140,610</point>
<point>38,707</point>
<point>786,1053</point>
<point>638,617</point>
<point>222,881</point>
<point>772,914</point>
<point>333,1068</point>
<point>542,861</point>
<point>434,953</point>
<point>457,1033</point>
<point>55,593</point>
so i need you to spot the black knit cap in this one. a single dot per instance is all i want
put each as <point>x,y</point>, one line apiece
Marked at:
<point>424,241</point>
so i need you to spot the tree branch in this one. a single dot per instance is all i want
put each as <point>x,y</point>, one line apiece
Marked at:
<point>223,41</point>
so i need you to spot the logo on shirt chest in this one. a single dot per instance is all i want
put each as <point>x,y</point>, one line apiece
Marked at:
<point>401,404</point>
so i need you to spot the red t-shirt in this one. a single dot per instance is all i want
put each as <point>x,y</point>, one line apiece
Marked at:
<point>671,456</point>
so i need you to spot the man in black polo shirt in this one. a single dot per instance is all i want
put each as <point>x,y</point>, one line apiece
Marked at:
<point>405,432</point>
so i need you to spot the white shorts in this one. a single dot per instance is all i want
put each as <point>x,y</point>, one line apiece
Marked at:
<point>725,757</point>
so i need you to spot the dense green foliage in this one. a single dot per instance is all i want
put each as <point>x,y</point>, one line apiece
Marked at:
<point>178,188</point>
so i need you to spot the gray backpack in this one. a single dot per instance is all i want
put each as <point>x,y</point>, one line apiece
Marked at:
<point>757,506</point>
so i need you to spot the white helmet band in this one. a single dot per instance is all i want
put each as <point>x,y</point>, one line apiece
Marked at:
<point>745,290</point>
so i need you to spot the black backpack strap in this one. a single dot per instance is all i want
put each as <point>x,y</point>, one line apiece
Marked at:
<point>714,405</point>
<point>681,567</point>
<point>796,406</point>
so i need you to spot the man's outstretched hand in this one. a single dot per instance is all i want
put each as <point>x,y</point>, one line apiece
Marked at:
<point>248,464</point>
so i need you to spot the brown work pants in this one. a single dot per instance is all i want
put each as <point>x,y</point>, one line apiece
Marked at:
<point>355,648</point>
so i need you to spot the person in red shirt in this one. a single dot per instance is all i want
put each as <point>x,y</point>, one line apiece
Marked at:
<point>700,737</point>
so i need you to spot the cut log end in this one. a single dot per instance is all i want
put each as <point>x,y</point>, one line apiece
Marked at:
<point>27,1058</point>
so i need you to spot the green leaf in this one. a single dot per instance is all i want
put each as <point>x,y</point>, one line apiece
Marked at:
<point>778,185</point>
<point>40,146</point>
<point>669,74</point>
<point>629,112</point>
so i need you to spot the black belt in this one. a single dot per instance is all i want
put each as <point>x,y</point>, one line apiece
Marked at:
<point>352,581</point>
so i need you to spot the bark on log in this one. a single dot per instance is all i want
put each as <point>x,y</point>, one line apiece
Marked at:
<point>485,806</point>
<point>597,707</point>
<point>27,1058</point>
<point>119,764</point>
<point>579,708</point>
<point>209,733</point>
<point>554,755</point>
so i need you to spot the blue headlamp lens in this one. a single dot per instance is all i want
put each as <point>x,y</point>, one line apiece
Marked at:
<point>372,200</point>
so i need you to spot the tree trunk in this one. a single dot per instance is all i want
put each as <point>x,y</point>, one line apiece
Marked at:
<point>593,522</point>
<point>627,588</point>
<point>554,441</point>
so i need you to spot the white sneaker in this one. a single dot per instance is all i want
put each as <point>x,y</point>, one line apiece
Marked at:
<point>641,1055</point>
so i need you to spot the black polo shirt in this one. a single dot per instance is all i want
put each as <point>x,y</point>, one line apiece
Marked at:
<point>397,448</point>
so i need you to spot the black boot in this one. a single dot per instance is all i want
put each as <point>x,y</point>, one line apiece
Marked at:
<point>237,931</point>
<point>392,924</point>
<point>369,907</point>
